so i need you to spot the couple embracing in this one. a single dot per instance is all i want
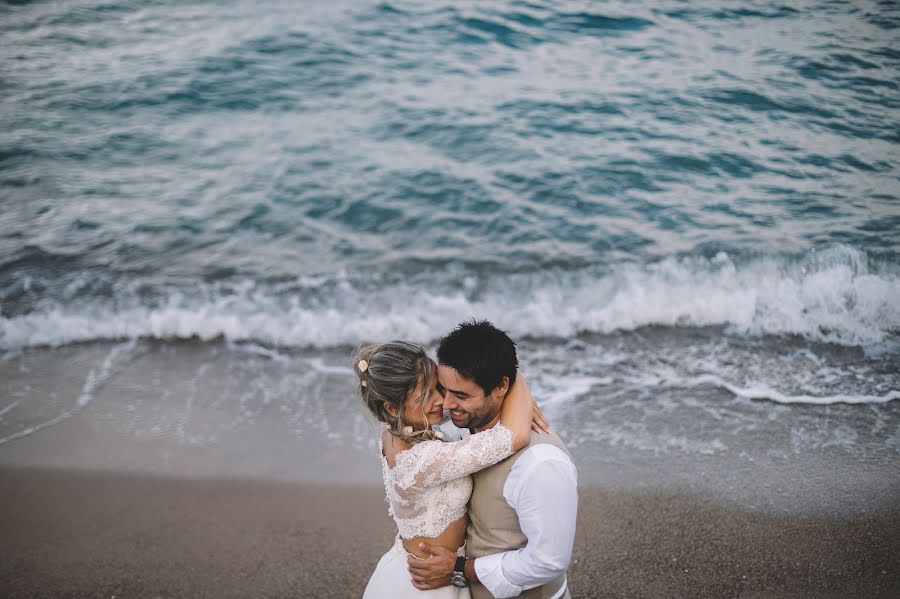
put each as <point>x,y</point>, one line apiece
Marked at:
<point>489,515</point>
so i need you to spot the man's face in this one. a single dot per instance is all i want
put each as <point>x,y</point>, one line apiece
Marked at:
<point>469,406</point>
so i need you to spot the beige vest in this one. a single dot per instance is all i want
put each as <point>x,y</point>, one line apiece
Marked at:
<point>494,526</point>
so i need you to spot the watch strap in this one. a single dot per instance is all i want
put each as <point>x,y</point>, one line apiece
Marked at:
<point>460,565</point>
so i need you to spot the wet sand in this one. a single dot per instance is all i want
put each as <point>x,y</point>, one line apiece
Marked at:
<point>91,534</point>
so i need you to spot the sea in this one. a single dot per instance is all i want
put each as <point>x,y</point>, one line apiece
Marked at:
<point>687,214</point>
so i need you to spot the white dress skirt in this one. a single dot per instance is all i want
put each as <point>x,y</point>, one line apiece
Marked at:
<point>392,580</point>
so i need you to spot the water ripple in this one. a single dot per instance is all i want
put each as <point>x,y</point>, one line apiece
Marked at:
<point>173,142</point>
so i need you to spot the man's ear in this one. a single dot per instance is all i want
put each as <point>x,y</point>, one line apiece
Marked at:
<point>502,388</point>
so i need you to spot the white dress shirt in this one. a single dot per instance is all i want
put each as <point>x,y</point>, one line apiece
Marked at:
<point>542,489</point>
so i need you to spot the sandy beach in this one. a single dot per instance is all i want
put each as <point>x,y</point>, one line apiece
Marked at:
<point>91,534</point>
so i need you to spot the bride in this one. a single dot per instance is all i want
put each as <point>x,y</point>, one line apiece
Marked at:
<point>427,481</point>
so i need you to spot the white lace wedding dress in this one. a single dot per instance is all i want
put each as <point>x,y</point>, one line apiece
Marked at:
<point>427,490</point>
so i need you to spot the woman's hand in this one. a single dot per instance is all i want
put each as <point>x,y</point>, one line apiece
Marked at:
<point>539,424</point>
<point>517,413</point>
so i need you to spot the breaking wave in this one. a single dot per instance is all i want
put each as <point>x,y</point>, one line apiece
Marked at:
<point>839,295</point>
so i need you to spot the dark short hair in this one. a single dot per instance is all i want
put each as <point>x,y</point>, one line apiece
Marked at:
<point>480,351</point>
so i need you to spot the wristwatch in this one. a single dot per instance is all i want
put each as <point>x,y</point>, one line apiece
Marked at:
<point>459,578</point>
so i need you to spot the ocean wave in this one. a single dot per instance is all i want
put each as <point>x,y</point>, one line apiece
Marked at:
<point>839,295</point>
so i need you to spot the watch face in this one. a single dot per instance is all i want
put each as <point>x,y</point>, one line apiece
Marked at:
<point>458,580</point>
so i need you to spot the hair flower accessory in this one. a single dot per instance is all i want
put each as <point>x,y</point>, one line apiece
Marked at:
<point>364,384</point>
<point>362,365</point>
<point>407,430</point>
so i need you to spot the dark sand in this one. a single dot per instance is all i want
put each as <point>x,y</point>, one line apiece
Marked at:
<point>74,534</point>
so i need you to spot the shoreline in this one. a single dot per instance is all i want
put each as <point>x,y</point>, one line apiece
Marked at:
<point>92,533</point>
<point>198,409</point>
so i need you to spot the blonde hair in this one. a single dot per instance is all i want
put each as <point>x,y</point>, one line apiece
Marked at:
<point>388,374</point>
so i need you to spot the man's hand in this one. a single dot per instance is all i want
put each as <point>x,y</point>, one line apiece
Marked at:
<point>433,572</point>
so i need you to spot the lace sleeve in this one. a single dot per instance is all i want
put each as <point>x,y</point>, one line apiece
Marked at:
<point>435,462</point>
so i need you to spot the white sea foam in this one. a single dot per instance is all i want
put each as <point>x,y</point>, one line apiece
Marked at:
<point>8,407</point>
<point>660,364</point>
<point>763,391</point>
<point>830,296</point>
<point>35,428</point>
<point>96,377</point>
<point>561,391</point>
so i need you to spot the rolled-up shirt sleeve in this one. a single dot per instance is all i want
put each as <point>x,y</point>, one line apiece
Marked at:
<point>542,488</point>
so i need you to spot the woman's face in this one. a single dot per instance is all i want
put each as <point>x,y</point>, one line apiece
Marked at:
<point>423,416</point>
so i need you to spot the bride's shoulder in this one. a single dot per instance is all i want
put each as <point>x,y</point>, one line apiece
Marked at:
<point>396,450</point>
<point>420,452</point>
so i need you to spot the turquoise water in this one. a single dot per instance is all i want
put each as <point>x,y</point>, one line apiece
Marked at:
<point>294,158</point>
<point>665,200</point>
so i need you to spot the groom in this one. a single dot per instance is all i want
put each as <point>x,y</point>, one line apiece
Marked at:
<point>522,510</point>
